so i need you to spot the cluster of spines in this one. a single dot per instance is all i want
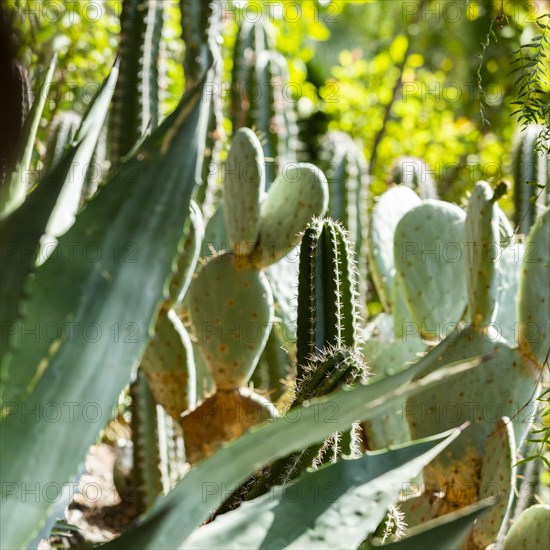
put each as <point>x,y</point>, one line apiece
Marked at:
<point>328,304</point>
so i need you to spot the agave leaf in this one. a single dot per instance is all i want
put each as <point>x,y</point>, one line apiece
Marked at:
<point>21,231</point>
<point>12,193</point>
<point>448,532</point>
<point>203,489</point>
<point>81,372</point>
<point>334,507</point>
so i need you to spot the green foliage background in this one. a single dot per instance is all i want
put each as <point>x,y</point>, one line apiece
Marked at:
<point>346,59</point>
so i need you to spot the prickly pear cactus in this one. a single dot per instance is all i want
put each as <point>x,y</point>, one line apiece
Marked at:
<point>230,300</point>
<point>387,212</point>
<point>414,173</point>
<point>222,417</point>
<point>244,188</point>
<point>168,361</point>
<point>531,169</point>
<point>500,386</point>
<point>231,308</point>
<point>530,530</point>
<point>428,258</point>
<point>168,365</point>
<point>497,481</point>
<point>482,246</point>
<point>299,193</point>
<point>534,292</point>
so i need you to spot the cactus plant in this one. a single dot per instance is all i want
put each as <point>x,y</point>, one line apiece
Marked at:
<point>260,95</point>
<point>346,168</point>
<point>136,100</point>
<point>387,212</point>
<point>507,381</point>
<point>482,243</point>
<point>415,174</point>
<point>428,259</point>
<point>201,27</point>
<point>328,354</point>
<point>146,474</point>
<point>531,170</point>
<point>530,530</point>
<point>222,315</point>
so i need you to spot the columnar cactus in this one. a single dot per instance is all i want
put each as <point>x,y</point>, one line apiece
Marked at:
<point>136,102</point>
<point>531,169</point>
<point>260,97</point>
<point>230,301</point>
<point>146,474</point>
<point>328,354</point>
<point>327,293</point>
<point>201,28</point>
<point>414,173</point>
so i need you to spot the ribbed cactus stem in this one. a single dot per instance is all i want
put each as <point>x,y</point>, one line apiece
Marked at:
<point>327,292</point>
<point>136,101</point>
<point>146,473</point>
<point>260,97</point>
<point>201,29</point>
